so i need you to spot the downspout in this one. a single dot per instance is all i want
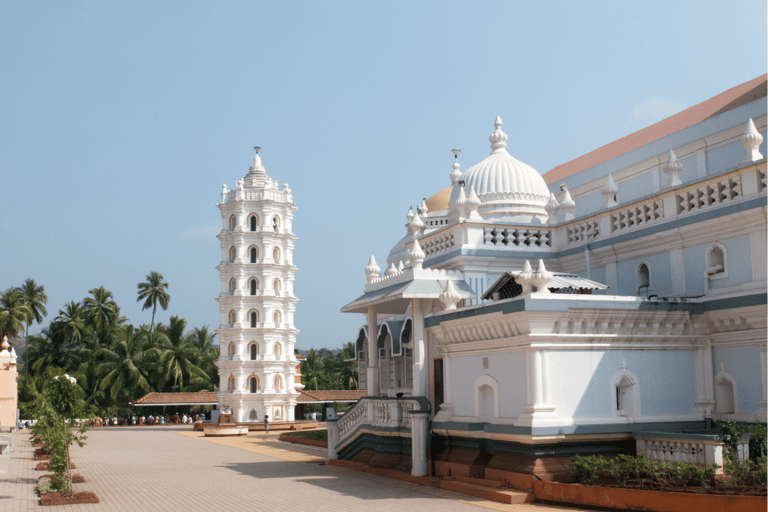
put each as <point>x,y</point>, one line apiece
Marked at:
<point>586,257</point>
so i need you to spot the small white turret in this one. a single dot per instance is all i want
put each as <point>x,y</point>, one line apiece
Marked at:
<point>423,209</point>
<point>498,138</point>
<point>567,204</point>
<point>541,277</point>
<point>450,297</point>
<point>672,170</point>
<point>13,355</point>
<point>416,225</point>
<point>224,193</point>
<point>525,277</point>
<point>400,266</point>
<point>391,269</point>
<point>751,141</point>
<point>552,207</point>
<point>456,173</point>
<point>416,255</point>
<point>609,192</point>
<point>372,271</point>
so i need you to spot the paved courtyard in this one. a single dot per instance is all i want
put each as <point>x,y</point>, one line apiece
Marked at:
<point>173,468</point>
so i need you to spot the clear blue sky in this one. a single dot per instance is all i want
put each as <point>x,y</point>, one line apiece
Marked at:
<point>119,122</point>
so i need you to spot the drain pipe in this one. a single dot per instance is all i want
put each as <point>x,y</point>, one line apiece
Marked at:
<point>586,257</point>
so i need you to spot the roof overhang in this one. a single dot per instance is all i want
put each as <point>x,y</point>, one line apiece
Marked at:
<point>396,298</point>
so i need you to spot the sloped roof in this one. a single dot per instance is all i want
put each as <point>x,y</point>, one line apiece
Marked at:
<point>331,395</point>
<point>723,102</point>
<point>199,398</point>
<point>559,281</point>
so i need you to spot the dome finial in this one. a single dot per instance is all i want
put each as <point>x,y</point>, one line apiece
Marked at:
<point>498,138</point>
<point>257,160</point>
<point>456,173</point>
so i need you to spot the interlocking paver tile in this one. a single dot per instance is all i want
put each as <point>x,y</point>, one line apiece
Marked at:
<point>155,468</point>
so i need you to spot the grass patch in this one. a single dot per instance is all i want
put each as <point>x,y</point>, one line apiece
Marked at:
<point>315,435</point>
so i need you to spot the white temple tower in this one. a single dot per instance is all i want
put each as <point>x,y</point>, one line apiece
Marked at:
<point>258,371</point>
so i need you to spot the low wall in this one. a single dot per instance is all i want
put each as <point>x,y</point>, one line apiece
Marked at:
<point>637,499</point>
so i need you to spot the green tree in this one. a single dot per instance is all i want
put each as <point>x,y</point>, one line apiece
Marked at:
<point>178,359</point>
<point>14,312</point>
<point>153,291</point>
<point>72,321</point>
<point>202,340</point>
<point>123,368</point>
<point>102,312</point>
<point>35,298</point>
<point>346,366</point>
<point>50,348</point>
<point>313,370</point>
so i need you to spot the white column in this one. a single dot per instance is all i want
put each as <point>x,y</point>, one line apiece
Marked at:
<point>418,443</point>
<point>373,354</point>
<point>447,379</point>
<point>419,367</point>
<point>333,438</point>
<point>536,380</point>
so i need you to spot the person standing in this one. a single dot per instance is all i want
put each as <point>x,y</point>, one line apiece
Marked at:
<point>266,423</point>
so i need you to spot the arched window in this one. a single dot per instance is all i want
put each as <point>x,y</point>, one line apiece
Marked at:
<point>231,350</point>
<point>716,261</point>
<point>643,278</point>
<point>253,222</point>
<point>254,351</point>
<point>253,384</point>
<point>253,415</point>
<point>232,222</point>
<point>277,350</point>
<point>232,317</point>
<point>254,318</point>
<point>625,391</point>
<point>276,254</point>
<point>276,223</point>
<point>232,285</point>
<point>725,392</point>
<point>231,383</point>
<point>254,254</point>
<point>277,318</point>
<point>253,285</point>
<point>276,285</point>
<point>232,254</point>
<point>278,383</point>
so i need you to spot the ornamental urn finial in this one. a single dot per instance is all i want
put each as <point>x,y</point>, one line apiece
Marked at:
<point>5,344</point>
<point>391,270</point>
<point>456,173</point>
<point>751,141</point>
<point>498,138</point>
<point>372,271</point>
<point>567,204</point>
<point>257,160</point>
<point>525,277</point>
<point>552,207</point>
<point>541,277</point>
<point>416,255</point>
<point>416,224</point>
<point>672,170</point>
<point>422,209</point>
<point>450,296</point>
<point>609,192</point>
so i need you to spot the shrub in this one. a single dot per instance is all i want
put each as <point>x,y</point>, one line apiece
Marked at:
<point>623,468</point>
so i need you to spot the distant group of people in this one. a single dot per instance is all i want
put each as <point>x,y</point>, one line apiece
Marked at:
<point>120,421</point>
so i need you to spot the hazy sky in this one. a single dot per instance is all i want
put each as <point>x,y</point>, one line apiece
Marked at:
<point>120,121</point>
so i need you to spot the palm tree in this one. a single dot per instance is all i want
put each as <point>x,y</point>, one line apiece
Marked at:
<point>346,367</point>
<point>151,292</point>
<point>72,321</point>
<point>124,368</point>
<point>201,340</point>
<point>14,312</point>
<point>51,348</point>
<point>36,299</point>
<point>178,358</point>
<point>313,370</point>
<point>101,310</point>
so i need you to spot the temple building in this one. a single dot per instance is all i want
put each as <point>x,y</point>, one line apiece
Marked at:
<point>258,370</point>
<point>615,303</point>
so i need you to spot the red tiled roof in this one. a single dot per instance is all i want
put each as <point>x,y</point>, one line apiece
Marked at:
<point>201,398</point>
<point>728,100</point>
<point>331,395</point>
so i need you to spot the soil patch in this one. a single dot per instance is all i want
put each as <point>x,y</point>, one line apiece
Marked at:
<point>43,466</point>
<point>56,498</point>
<point>76,478</point>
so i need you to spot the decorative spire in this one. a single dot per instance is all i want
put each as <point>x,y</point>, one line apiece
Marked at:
<point>450,296</point>
<point>224,192</point>
<point>525,277</point>
<point>409,215</point>
<point>541,277</point>
<point>416,224</point>
<point>552,207</point>
<point>567,204</point>
<point>400,266</point>
<point>391,269</point>
<point>672,170</point>
<point>423,209</point>
<point>498,138</point>
<point>13,355</point>
<point>5,344</point>
<point>372,271</point>
<point>416,255</point>
<point>257,161</point>
<point>456,174</point>
<point>751,141</point>
<point>609,192</point>
<point>472,200</point>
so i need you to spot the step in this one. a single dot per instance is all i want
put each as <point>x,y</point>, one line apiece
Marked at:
<point>493,484</point>
<point>507,496</point>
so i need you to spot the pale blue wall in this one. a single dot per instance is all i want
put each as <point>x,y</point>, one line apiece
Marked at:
<point>667,382</point>
<point>689,173</point>
<point>634,188</point>
<point>508,370</point>
<point>723,158</point>
<point>589,204</point>
<point>598,274</point>
<point>739,263</point>
<point>661,275</point>
<point>743,364</point>
<point>694,268</point>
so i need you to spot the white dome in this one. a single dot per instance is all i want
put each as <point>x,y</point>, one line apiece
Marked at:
<point>503,183</point>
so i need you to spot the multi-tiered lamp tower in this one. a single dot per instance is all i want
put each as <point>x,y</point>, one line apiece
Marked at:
<point>259,374</point>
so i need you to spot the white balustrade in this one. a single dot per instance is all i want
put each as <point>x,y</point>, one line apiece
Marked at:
<point>637,216</point>
<point>700,449</point>
<point>713,193</point>
<point>512,236</point>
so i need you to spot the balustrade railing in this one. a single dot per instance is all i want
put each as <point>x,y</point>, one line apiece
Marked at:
<point>517,237</point>
<point>698,448</point>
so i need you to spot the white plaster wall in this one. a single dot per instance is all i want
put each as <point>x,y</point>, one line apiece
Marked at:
<point>743,364</point>
<point>633,188</point>
<point>509,371</point>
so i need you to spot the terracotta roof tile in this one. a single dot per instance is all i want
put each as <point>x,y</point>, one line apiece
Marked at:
<point>730,99</point>
<point>201,397</point>
<point>331,395</point>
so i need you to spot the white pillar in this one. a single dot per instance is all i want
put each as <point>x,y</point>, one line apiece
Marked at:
<point>536,381</point>
<point>419,367</point>
<point>418,442</point>
<point>447,379</point>
<point>333,438</point>
<point>373,354</point>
